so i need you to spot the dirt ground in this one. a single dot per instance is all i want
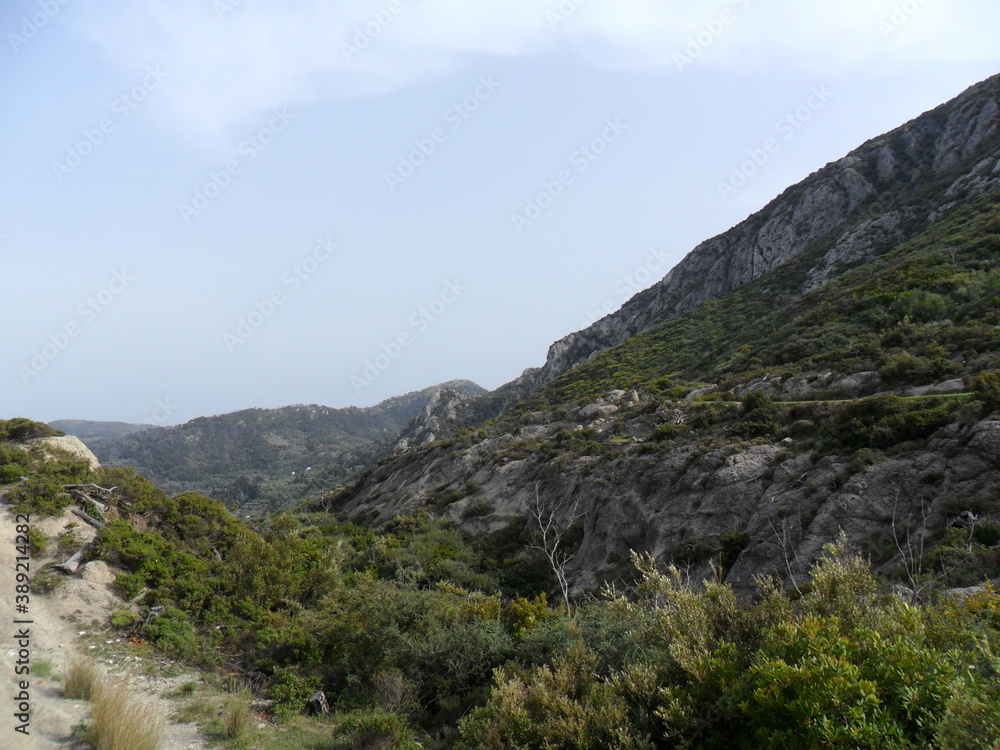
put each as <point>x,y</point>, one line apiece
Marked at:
<point>63,625</point>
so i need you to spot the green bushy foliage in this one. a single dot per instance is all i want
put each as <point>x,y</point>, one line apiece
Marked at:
<point>986,387</point>
<point>373,730</point>
<point>290,688</point>
<point>845,666</point>
<point>174,632</point>
<point>20,429</point>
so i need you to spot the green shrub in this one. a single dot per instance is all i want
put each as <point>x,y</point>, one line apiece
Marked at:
<point>986,387</point>
<point>40,495</point>
<point>11,472</point>
<point>20,430</point>
<point>733,541</point>
<point>38,540</point>
<point>372,730</point>
<point>291,688</point>
<point>124,618</point>
<point>173,633</point>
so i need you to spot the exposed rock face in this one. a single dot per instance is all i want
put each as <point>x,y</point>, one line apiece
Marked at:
<point>770,507</point>
<point>678,504</point>
<point>852,210</point>
<point>444,405</point>
<point>72,445</point>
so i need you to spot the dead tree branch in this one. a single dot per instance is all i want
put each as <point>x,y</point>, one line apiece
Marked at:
<point>554,520</point>
<point>88,518</point>
<point>785,543</point>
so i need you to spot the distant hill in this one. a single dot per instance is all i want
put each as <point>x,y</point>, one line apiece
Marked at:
<point>265,459</point>
<point>94,433</point>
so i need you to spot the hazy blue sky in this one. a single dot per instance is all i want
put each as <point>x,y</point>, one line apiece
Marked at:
<point>213,205</point>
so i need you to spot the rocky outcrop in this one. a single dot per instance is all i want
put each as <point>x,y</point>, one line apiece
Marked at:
<point>882,194</point>
<point>444,409</point>
<point>681,504</point>
<point>72,445</point>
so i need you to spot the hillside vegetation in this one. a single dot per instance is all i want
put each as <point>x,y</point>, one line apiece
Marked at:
<point>926,310</point>
<point>413,639</point>
<point>266,459</point>
<point>863,405</point>
<point>757,507</point>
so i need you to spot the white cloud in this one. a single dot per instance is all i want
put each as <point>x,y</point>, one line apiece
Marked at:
<point>266,53</point>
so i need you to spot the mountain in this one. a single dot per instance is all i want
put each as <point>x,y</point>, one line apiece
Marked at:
<point>878,196</point>
<point>267,458</point>
<point>94,433</point>
<point>826,365</point>
<point>793,469</point>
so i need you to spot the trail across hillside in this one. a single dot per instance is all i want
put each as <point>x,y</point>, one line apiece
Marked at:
<point>51,640</point>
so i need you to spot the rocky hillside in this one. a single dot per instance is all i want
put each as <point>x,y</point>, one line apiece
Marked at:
<point>267,458</point>
<point>882,194</point>
<point>786,382</point>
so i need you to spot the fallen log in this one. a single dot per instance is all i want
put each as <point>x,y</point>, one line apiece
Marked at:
<point>88,518</point>
<point>104,492</point>
<point>72,564</point>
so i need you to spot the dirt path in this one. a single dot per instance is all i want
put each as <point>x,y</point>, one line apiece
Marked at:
<point>52,640</point>
<point>82,604</point>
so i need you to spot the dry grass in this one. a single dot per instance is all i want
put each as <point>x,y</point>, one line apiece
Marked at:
<point>80,680</point>
<point>122,720</point>
<point>236,717</point>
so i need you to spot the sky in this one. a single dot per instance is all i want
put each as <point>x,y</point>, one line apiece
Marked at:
<point>213,205</point>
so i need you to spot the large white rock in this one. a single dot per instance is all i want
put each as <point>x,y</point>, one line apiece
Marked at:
<point>72,445</point>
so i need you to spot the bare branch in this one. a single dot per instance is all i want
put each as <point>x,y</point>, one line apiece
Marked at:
<point>785,543</point>
<point>554,520</point>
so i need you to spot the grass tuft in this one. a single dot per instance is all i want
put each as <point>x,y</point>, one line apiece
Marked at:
<point>80,680</point>
<point>236,716</point>
<point>124,721</point>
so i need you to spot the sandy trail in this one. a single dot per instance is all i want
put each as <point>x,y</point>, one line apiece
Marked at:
<point>52,639</point>
<point>82,603</point>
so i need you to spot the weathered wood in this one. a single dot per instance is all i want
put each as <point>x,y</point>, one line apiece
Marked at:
<point>317,703</point>
<point>88,518</point>
<point>72,564</point>
<point>104,492</point>
<point>153,613</point>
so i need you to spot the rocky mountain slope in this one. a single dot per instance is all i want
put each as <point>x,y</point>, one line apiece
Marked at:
<point>267,458</point>
<point>876,197</point>
<point>823,366</point>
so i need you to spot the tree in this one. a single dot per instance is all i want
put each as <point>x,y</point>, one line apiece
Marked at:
<point>554,520</point>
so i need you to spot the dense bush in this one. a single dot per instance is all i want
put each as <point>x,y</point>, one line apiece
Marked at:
<point>846,666</point>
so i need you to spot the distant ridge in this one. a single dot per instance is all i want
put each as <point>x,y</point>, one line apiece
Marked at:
<point>269,458</point>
